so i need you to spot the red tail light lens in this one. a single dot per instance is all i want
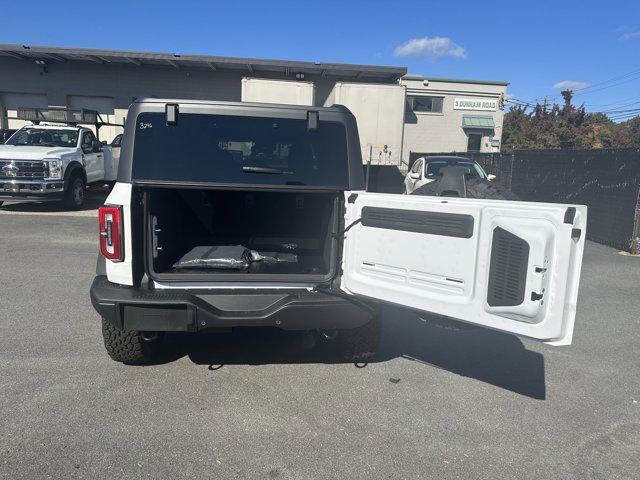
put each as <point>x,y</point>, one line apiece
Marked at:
<point>111,233</point>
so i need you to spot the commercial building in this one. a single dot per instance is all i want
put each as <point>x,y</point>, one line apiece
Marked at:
<point>440,115</point>
<point>452,115</point>
<point>108,81</point>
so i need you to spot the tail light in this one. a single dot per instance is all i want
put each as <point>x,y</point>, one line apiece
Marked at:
<point>111,233</point>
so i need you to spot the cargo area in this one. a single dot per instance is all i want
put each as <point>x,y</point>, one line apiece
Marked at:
<point>225,235</point>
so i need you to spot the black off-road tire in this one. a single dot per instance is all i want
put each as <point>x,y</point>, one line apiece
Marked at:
<point>127,346</point>
<point>476,188</point>
<point>75,192</point>
<point>360,344</point>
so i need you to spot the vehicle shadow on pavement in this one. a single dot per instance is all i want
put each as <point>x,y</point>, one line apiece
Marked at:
<point>250,346</point>
<point>485,355</point>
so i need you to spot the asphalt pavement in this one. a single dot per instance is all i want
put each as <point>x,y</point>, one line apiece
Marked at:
<point>436,403</point>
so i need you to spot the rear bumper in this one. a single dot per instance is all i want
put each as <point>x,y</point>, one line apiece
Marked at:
<point>132,308</point>
<point>37,190</point>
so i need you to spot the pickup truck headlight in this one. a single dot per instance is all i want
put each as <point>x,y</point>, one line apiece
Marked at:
<point>54,167</point>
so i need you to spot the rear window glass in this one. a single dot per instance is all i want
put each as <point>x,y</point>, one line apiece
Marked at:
<point>44,137</point>
<point>237,149</point>
<point>433,168</point>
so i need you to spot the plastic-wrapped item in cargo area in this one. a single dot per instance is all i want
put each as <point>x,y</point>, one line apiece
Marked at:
<point>273,257</point>
<point>230,257</point>
<point>226,257</point>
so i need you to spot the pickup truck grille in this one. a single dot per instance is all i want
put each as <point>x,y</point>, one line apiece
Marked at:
<point>25,169</point>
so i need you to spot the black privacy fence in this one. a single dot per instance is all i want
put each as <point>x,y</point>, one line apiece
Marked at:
<point>607,181</point>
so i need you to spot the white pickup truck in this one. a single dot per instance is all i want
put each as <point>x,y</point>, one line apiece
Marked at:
<point>54,162</point>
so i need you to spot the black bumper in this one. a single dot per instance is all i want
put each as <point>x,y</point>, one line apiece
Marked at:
<point>49,197</point>
<point>132,308</point>
<point>33,196</point>
<point>34,191</point>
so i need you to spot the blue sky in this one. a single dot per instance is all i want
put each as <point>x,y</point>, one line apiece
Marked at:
<point>532,45</point>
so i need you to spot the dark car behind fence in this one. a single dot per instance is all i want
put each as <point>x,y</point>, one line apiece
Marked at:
<point>607,181</point>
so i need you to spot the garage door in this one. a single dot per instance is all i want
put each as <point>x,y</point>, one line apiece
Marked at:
<point>12,101</point>
<point>105,106</point>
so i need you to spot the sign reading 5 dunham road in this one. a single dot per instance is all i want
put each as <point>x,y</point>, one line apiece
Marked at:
<point>483,104</point>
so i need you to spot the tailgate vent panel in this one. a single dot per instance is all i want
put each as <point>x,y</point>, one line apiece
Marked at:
<point>508,269</point>
<point>434,223</point>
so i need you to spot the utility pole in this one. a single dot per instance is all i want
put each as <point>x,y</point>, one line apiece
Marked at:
<point>544,105</point>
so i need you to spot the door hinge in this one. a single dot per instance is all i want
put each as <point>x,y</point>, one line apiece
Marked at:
<point>171,112</point>
<point>570,215</point>
<point>155,230</point>
<point>536,296</point>
<point>312,121</point>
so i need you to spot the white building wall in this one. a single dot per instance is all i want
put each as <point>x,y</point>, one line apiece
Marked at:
<point>427,132</point>
<point>379,112</point>
<point>289,92</point>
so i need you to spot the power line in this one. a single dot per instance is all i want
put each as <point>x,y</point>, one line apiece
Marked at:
<point>545,102</point>
<point>619,77</point>
<point>622,111</point>
<point>517,100</point>
<point>602,84</point>
<point>609,86</point>
<point>617,103</point>
<point>617,109</point>
<point>614,109</point>
<point>517,103</point>
<point>625,116</point>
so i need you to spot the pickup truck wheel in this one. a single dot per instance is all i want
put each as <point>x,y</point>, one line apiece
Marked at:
<point>74,194</point>
<point>127,346</point>
<point>360,344</point>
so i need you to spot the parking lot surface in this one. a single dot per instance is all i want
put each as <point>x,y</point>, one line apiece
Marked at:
<point>436,403</point>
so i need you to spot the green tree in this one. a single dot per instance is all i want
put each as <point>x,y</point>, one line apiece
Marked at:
<point>632,128</point>
<point>565,126</point>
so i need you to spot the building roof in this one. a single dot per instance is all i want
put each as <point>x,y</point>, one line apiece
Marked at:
<point>187,101</point>
<point>53,55</point>
<point>454,80</point>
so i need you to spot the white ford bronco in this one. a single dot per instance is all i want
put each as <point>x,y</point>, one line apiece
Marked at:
<point>238,214</point>
<point>43,162</point>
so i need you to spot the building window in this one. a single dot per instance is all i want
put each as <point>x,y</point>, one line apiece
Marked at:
<point>474,142</point>
<point>426,104</point>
